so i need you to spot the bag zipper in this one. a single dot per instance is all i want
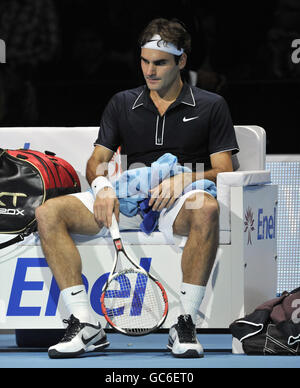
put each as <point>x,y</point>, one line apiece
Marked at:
<point>68,172</point>
<point>44,164</point>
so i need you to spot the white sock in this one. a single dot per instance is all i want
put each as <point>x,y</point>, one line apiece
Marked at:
<point>77,303</point>
<point>190,299</point>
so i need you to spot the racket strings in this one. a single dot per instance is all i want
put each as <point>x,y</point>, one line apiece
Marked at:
<point>134,302</point>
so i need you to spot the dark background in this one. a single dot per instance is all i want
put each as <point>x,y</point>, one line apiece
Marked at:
<point>66,58</point>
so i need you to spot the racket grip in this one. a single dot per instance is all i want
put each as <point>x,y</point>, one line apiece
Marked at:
<point>114,229</point>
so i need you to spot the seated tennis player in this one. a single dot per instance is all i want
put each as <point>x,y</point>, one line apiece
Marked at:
<point>164,116</point>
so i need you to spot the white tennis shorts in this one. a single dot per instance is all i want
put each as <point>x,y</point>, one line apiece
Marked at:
<point>165,221</point>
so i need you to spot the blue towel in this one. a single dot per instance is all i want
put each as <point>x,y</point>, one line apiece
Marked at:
<point>132,188</point>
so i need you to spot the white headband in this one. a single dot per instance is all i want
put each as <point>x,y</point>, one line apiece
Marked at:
<point>156,43</point>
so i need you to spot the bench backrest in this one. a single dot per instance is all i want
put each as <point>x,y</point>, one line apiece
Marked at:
<point>75,144</point>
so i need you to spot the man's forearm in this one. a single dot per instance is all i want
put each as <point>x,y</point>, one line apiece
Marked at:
<point>211,175</point>
<point>94,169</point>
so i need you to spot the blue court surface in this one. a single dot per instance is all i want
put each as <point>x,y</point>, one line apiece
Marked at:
<point>142,352</point>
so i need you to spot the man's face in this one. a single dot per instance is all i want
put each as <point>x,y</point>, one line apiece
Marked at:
<point>159,69</point>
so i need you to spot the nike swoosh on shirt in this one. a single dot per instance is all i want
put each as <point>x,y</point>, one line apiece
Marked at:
<point>185,120</point>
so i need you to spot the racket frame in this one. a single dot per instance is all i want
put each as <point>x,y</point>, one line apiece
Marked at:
<point>119,248</point>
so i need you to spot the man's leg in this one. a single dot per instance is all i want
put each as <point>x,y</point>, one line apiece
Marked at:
<point>56,219</point>
<point>201,225</point>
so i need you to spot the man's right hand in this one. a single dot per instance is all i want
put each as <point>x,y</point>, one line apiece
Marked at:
<point>106,203</point>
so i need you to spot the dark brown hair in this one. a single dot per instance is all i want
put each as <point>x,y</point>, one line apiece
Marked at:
<point>171,31</point>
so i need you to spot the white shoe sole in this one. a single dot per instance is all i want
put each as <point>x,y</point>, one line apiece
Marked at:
<point>188,353</point>
<point>97,347</point>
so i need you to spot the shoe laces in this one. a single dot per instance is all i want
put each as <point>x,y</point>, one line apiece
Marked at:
<point>73,328</point>
<point>186,329</point>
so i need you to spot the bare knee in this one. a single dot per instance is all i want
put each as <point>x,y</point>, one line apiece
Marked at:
<point>48,215</point>
<point>204,210</point>
<point>65,214</point>
<point>200,212</point>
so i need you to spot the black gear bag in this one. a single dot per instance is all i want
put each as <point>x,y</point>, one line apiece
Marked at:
<point>273,328</point>
<point>27,179</point>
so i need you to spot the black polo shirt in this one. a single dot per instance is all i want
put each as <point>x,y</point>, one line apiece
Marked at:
<point>197,125</point>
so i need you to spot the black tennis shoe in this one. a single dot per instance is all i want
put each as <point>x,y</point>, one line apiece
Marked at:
<point>79,338</point>
<point>183,340</point>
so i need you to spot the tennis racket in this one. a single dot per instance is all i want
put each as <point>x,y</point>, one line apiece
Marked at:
<point>133,301</point>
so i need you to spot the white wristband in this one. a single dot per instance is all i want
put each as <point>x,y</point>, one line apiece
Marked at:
<point>99,183</point>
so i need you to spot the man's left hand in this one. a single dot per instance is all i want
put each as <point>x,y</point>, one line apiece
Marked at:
<point>166,193</point>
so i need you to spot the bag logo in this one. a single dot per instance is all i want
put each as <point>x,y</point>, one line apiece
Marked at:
<point>14,195</point>
<point>12,212</point>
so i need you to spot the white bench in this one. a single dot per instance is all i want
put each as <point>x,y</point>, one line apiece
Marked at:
<point>244,274</point>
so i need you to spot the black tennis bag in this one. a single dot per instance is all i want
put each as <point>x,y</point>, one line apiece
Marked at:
<point>27,179</point>
<point>273,328</point>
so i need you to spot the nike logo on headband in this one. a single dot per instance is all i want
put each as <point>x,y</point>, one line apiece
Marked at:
<point>156,43</point>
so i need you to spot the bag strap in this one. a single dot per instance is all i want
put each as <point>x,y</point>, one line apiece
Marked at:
<point>11,242</point>
<point>20,237</point>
